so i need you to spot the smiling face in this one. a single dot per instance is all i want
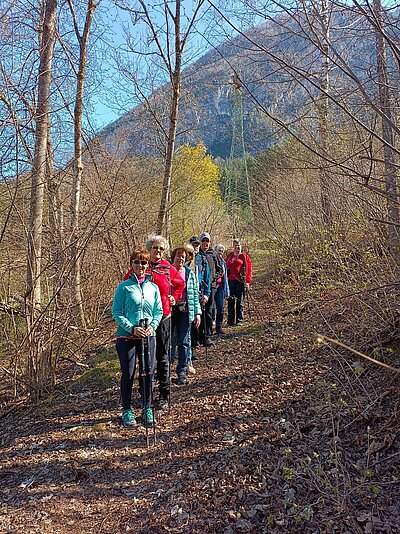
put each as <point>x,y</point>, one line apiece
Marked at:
<point>139,261</point>
<point>179,260</point>
<point>156,252</point>
<point>139,267</point>
<point>220,251</point>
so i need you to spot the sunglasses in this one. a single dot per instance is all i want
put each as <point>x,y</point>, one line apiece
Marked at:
<point>161,249</point>
<point>140,262</point>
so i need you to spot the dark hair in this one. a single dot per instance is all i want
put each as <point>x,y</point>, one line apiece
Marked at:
<point>175,252</point>
<point>139,254</point>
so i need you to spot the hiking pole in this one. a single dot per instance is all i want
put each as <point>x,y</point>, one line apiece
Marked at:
<point>247,298</point>
<point>142,324</point>
<point>145,372</point>
<point>148,374</point>
<point>169,361</point>
<point>203,311</point>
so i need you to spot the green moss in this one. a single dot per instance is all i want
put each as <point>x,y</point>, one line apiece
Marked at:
<point>104,370</point>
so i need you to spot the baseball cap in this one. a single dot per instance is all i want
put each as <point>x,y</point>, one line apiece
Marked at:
<point>205,235</point>
<point>194,239</point>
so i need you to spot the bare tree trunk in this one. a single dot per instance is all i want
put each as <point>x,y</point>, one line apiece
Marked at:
<point>35,229</point>
<point>56,225</point>
<point>390,177</point>
<point>78,163</point>
<point>39,160</point>
<point>323,109</point>
<point>164,220</point>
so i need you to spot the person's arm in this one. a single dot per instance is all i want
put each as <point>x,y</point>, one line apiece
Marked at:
<point>177,283</point>
<point>118,309</point>
<point>249,270</point>
<point>206,289</point>
<point>157,309</point>
<point>195,299</point>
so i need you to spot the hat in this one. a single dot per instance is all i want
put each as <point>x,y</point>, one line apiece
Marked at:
<point>236,241</point>
<point>205,235</point>
<point>194,239</point>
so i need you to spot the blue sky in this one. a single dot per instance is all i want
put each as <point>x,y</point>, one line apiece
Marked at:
<point>111,102</point>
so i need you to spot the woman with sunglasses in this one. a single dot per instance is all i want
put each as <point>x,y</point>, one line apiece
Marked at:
<point>135,299</point>
<point>171,286</point>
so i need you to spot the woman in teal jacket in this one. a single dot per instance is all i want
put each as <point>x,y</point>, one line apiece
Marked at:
<point>184,313</point>
<point>135,300</point>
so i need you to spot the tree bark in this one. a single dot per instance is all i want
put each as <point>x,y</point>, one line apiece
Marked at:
<point>42,118</point>
<point>164,219</point>
<point>76,251</point>
<point>323,108</point>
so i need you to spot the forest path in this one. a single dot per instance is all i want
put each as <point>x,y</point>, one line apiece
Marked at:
<point>249,445</point>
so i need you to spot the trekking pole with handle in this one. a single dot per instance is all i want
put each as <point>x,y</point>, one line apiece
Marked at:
<point>145,364</point>
<point>169,361</point>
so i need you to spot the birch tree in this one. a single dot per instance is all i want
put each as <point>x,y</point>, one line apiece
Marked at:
<point>168,40</point>
<point>83,40</point>
<point>42,117</point>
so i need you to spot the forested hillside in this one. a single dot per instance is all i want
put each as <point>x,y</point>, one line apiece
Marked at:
<point>273,125</point>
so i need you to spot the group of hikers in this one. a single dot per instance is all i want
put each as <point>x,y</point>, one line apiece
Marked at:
<point>163,308</point>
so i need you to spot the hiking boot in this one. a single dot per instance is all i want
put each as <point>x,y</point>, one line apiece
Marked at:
<point>220,333</point>
<point>191,369</point>
<point>182,380</point>
<point>128,418</point>
<point>147,418</point>
<point>208,342</point>
<point>162,403</point>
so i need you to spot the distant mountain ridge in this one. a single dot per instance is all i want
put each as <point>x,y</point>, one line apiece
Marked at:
<point>207,102</point>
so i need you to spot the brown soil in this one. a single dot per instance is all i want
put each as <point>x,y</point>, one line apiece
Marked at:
<point>273,434</point>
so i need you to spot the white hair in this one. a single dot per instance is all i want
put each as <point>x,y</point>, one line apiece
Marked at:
<point>156,239</point>
<point>219,247</point>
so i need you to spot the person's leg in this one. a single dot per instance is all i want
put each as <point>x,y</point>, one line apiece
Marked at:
<point>240,292</point>
<point>183,343</point>
<point>231,304</point>
<point>219,305</point>
<point>162,356</point>
<point>208,314</point>
<point>126,353</point>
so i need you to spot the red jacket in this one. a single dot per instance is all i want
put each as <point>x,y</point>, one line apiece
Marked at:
<point>168,281</point>
<point>239,268</point>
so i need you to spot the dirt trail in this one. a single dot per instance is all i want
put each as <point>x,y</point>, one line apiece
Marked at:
<point>248,446</point>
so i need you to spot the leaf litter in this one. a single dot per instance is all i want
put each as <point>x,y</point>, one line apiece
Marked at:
<point>273,434</point>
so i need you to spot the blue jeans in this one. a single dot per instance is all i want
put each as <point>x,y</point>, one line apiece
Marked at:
<point>180,338</point>
<point>219,304</point>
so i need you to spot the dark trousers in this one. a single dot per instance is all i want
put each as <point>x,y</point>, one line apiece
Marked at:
<point>163,335</point>
<point>130,350</point>
<point>181,338</point>
<point>236,302</point>
<point>208,309</point>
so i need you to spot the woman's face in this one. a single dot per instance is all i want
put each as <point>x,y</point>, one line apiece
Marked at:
<point>156,252</point>
<point>139,266</point>
<point>220,251</point>
<point>179,260</point>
